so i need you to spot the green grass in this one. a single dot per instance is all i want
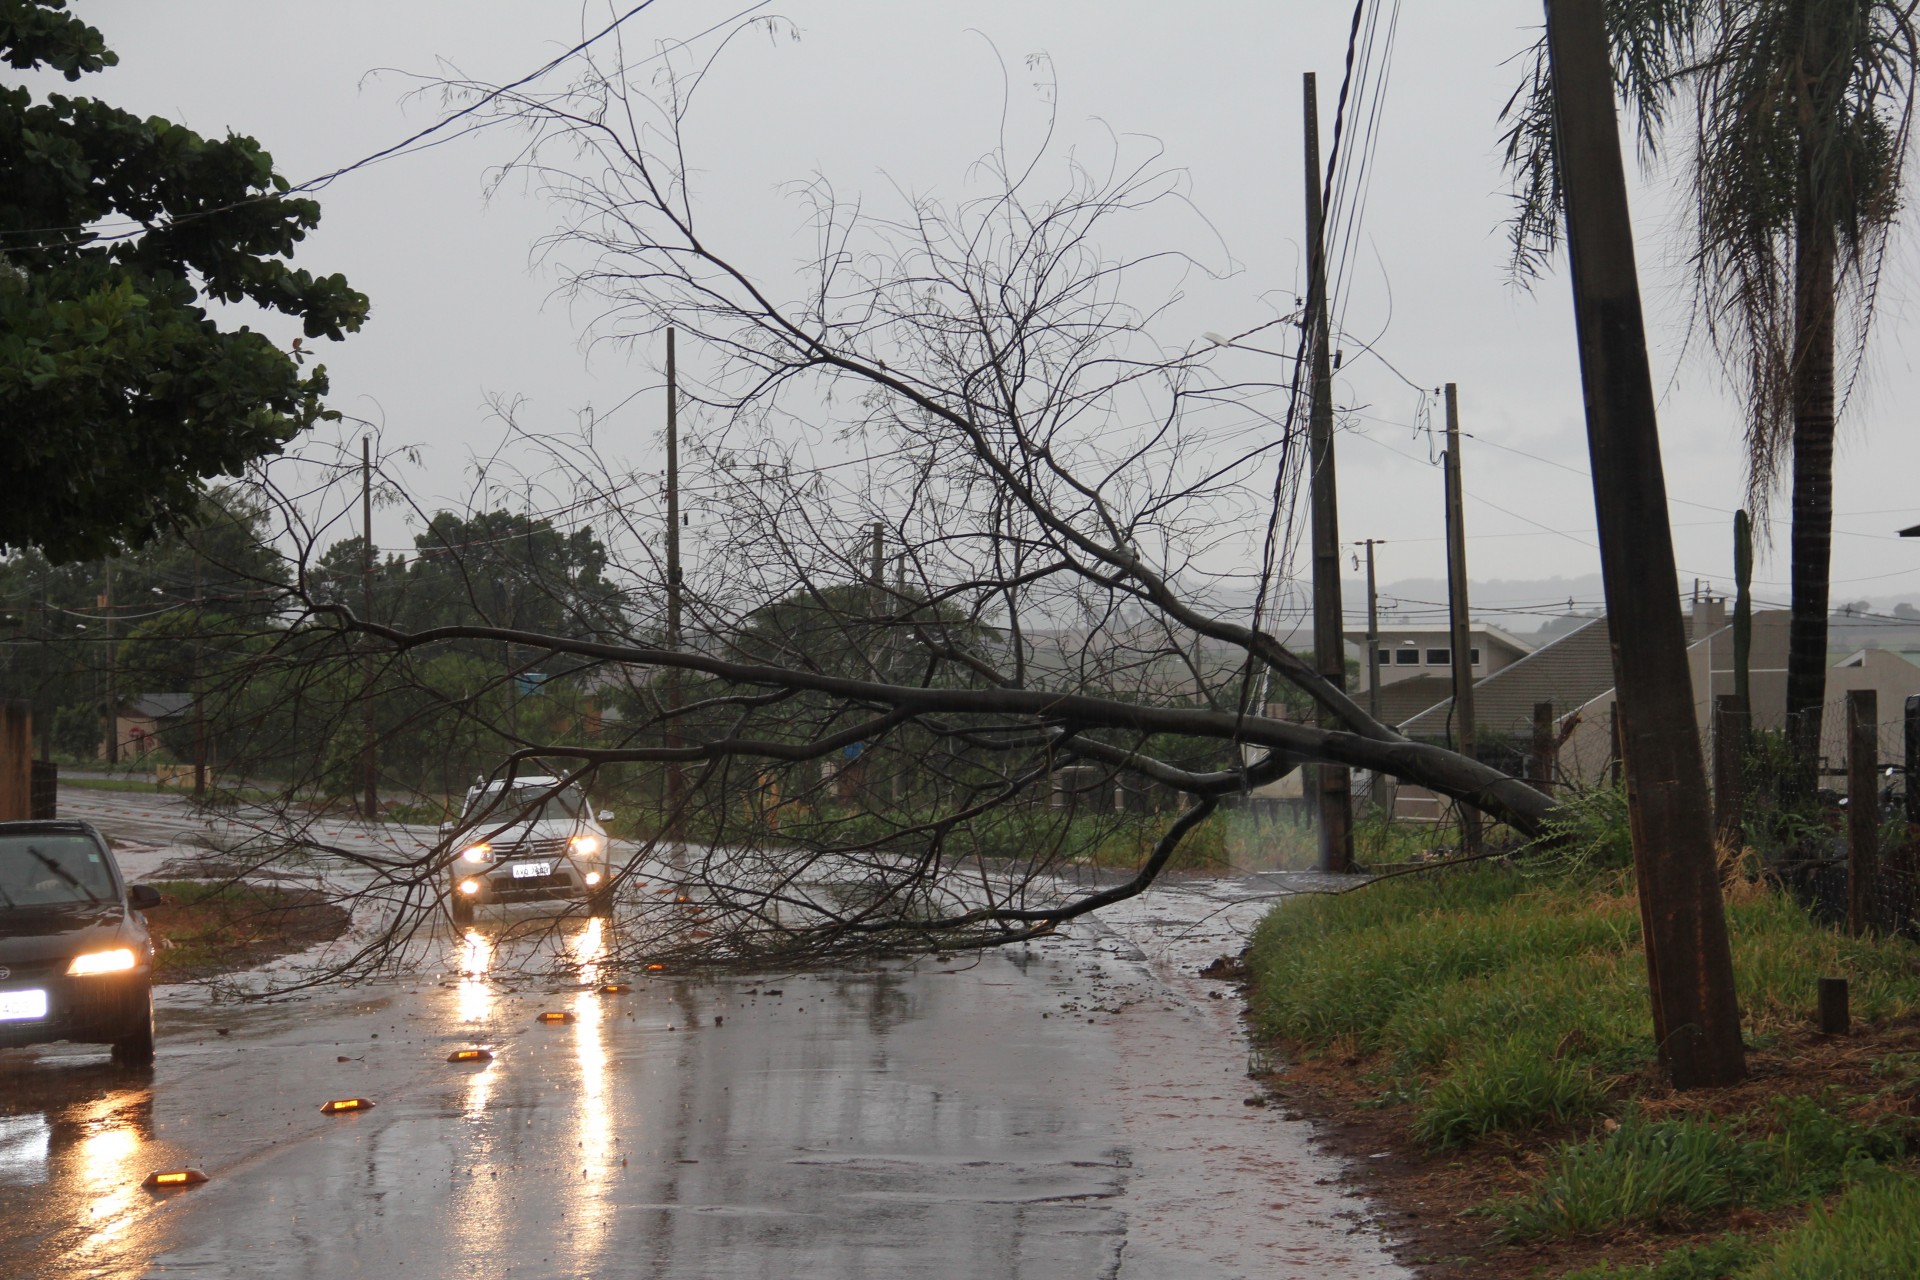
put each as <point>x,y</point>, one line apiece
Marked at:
<point>1514,1085</point>
<point>112,784</point>
<point>1510,1001</point>
<point>147,786</point>
<point>1650,1174</point>
<point>1714,1260</point>
<point>1871,1233</point>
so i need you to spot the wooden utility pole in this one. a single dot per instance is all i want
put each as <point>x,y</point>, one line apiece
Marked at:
<point>369,762</point>
<point>1373,634</point>
<point>16,760</point>
<point>1334,782</point>
<point>676,773</point>
<point>1864,890</point>
<point>1544,750</point>
<point>1459,626</point>
<point>1689,964</point>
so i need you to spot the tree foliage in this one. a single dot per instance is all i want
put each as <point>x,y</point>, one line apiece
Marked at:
<point>121,393</point>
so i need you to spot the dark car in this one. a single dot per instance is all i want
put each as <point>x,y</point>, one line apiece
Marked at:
<point>75,959</point>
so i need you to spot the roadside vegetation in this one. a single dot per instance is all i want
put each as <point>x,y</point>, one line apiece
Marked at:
<point>1493,1024</point>
<point>206,928</point>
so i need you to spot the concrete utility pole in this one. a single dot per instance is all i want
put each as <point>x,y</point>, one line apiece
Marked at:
<point>369,762</point>
<point>1696,1020</point>
<point>1373,633</point>
<point>676,773</point>
<point>113,661</point>
<point>1334,782</point>
<point>1459,626</point>
<point>1865,892</point>
<point>199,691</point>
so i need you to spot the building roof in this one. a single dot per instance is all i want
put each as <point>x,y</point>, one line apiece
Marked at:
<point>1570,672</point>
<point>1402,699</point>
<point>160,706</point>
<point>1493,635</point>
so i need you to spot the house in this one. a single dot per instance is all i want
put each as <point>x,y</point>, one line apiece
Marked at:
<point>1575,674</point>
<point>139,722</point>
<point>1416,665</point>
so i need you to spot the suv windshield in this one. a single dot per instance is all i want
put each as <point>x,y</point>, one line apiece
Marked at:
<point>52,869</point>
<point>524,804</point>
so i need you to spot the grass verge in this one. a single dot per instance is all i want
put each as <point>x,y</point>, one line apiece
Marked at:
<point>203,929</point>
<point>1493,1027</point>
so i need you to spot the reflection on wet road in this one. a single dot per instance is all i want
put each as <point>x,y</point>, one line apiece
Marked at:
<point>1065,1111</point>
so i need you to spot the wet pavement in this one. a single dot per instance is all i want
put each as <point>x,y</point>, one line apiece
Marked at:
<point>1074,1108</point>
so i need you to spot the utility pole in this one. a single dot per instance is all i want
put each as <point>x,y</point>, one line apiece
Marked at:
<point>1459,627</point>
<point>897,780</point>
<point>676,773</point>
<point>369,762</point>
<point>113,692</point>
<point>1373,633</point>
<point>1334,782</point>
<point>865,769</point>
<point>1696,1019</point>
<point>199,691</point>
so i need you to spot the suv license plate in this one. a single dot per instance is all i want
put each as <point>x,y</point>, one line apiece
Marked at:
<point>16,1006</point>
<point>528,870</point>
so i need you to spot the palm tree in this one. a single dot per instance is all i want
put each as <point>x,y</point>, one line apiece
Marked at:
<point>1795,159</point>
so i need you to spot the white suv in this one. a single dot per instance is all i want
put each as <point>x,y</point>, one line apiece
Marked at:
<point>531,842</point>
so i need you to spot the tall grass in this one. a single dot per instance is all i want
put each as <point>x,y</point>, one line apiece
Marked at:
<point>1872,1233</point>
<point>1511,1000</point>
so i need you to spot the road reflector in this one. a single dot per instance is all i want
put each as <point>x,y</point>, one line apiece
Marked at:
<point>170,1178</point>
<point>339,1105</point>
<point>555,1015</point>
<point>615,988</point>
<point>470,1055</point>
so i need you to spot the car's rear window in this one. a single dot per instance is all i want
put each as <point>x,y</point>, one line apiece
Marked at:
<point>52,870</point>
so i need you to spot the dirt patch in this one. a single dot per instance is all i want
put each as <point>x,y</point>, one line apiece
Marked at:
<point>203,929</point>
<point>1429,1202</point>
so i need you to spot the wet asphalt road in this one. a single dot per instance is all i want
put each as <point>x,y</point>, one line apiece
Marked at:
<point>1073,1109</point>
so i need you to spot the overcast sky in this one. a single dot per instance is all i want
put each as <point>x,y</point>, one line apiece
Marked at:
<point>883,92</point>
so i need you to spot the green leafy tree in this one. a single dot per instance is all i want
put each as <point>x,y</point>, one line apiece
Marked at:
<point>175,605</point>
<point>121,394</point>
<point>1801,118</point>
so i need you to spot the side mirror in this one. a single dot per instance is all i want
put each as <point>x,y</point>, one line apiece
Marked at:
<point>445,827</point>
<point>605,815</point>
<point>142,897</point>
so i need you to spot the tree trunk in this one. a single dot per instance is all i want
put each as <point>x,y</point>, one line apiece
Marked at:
<point>1813,425</point>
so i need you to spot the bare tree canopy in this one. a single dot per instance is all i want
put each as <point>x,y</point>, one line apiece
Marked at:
<point>985,576</point>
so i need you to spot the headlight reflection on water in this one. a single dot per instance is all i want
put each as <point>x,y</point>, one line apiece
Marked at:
<point>476,969</point>
<point>595,1128</point>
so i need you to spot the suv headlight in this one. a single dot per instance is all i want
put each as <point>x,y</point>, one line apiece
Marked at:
<point>477,852</point>
<point>584,846</point>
